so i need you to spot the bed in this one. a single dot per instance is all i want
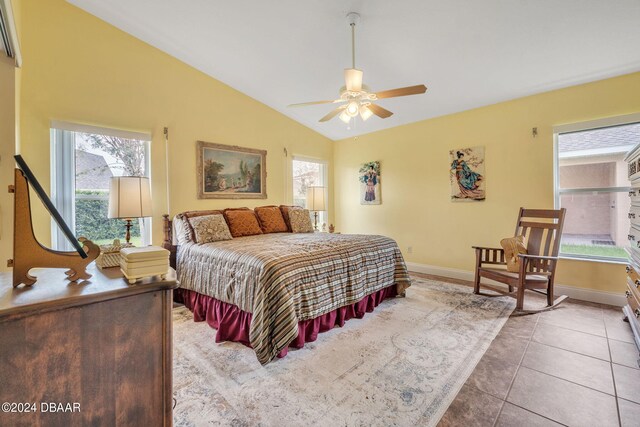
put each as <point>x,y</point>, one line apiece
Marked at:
<point>272,291</point>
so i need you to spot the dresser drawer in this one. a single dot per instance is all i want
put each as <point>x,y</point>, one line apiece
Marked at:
<point>634,215</point>
<point>633,286</point>
<point>633,299</point>
<point>633,274</point>
<point>634,236</point>
<point>634,195</point>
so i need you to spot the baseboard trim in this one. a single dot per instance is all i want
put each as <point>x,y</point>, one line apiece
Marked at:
<point>591,295</point>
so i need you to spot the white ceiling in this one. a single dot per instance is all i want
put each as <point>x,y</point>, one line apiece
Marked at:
<point>468,53</point>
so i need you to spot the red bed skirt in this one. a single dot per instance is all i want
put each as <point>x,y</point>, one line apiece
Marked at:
<point>233,324</point>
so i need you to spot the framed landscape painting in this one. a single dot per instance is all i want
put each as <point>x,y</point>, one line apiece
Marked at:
<point>466,173</point>
<point>231,172</point>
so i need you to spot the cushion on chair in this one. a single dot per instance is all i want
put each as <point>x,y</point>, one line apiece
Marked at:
<point>513,246</point>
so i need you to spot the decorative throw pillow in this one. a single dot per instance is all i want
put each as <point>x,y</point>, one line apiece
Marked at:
<point>300,221</point>
<point>512,247</point>
<point>242,222</point>
<point>285,214</point>
<point>210,228</point>
<point>271,220</point>
<point>189,234</point>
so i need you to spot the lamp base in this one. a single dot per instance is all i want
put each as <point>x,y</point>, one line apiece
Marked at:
<point>128,226</point>
<point>315,218</point>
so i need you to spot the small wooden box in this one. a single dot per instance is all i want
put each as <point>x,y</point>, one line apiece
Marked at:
<point>148,261</point>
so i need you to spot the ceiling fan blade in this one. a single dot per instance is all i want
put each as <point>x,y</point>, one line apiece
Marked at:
<point>379,111</point>
<point>402,91</point>
<point>304,104</point>
<point>332,114</point>
<point>353,79</point>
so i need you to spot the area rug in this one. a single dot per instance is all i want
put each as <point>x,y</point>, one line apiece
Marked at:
<point>402,365</point>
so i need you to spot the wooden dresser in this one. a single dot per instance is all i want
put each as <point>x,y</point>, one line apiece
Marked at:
<point>95,353</point>
<point>632,309</point>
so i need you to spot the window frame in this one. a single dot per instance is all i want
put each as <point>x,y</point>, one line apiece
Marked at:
<point>324,216</point>
<point>557,192</point>
<point>63,169</point>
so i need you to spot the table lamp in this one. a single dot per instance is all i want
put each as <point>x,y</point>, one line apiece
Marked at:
<point>316,202</point>
<point>129,197</point>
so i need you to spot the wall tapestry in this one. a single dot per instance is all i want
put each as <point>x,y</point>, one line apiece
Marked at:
<point>230,172</point>
<point>370,183</point>
<point>467,174</point>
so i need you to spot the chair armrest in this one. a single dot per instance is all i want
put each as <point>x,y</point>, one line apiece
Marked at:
<point>537,263</point>
<point>493,256</point>
<point>539,257</point>
<point>482,248</point>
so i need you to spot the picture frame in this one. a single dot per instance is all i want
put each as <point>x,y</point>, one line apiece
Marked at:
<point>230,171</point>
<point>467,174</point>
<point>369,178</point>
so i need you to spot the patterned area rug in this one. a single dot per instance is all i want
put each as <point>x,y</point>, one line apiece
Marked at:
<point>401,365</point>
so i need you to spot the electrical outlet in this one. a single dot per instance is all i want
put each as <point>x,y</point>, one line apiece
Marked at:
<point>409,249</point>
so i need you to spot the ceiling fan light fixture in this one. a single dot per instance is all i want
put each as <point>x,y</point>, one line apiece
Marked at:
<point>353,79</point>
<point>345,117</point>
<point>352,108</point>
<point>356,98</point>
<point>365,113</point>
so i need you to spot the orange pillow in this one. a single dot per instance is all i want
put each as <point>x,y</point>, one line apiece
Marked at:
<point>271,219</point>
<point>242,222</point>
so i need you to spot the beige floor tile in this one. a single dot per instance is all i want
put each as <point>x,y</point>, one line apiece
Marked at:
<point>567,339</point>
<point>629,413</point>
<point>493,376</point>
<point>507,349</point>
<point>570,366</point>
<point>562,401</point>
<point>513,416</point>
<point>617,329</point>
<point>624,353</point>
<point>627,383</point>
<point>578,318</point>
<point>471,407</point>
<point>519,327</point>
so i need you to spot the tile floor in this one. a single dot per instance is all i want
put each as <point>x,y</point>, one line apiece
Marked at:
<point>575,365</point>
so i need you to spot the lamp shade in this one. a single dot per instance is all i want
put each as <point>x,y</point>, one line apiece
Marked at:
<point>129,197</point>
<point>315,199</point>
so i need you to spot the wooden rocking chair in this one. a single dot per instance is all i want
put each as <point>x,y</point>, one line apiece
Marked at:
<point>537,266</point>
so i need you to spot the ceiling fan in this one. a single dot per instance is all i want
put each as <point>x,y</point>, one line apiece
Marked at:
<point>356,98</point>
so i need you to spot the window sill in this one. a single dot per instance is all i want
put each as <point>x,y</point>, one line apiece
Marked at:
<point>600,260</point>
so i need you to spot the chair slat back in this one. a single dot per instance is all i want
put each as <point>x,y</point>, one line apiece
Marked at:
<point>543,229</point>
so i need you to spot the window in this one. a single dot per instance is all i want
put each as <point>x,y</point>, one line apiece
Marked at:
<point>307,173</point>
<point>592,184</point>
<point>83,161</point>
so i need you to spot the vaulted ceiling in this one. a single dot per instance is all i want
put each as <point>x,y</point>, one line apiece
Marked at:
<point>468,53</point>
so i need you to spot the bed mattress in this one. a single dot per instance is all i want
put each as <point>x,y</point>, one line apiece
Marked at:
<point>285,278</point>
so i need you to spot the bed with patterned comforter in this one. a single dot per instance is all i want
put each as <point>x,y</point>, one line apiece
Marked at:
<point>285,278</point>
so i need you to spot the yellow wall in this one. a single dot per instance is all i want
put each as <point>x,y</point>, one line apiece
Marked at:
<point>77,68</point>
<point>7,150</point>
<point>416,209</point>
<point>80,69</point>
